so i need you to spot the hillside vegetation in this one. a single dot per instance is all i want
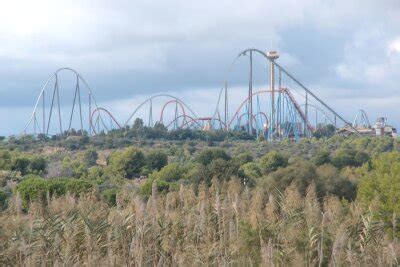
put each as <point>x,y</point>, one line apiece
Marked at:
<point>199,201</point>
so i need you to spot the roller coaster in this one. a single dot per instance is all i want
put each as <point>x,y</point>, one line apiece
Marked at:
<point>285,108</point>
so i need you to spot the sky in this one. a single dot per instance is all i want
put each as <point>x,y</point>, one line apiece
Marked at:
<point>346,52</point>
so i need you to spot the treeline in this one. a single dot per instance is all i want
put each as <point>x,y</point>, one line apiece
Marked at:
<point>138,132</point>
<point>330,164</point>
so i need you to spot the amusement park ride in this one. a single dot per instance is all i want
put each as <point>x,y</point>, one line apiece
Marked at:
<point>275,112</point>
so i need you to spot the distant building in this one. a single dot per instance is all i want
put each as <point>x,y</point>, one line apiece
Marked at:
<point>380,128</point>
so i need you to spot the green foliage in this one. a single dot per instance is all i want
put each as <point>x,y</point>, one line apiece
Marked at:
<point>156,159</point>
<point>380,183</point>
<point>250,237</point>
<point>165,179</point>
<point>32,189</point>
<point>251,170</point>
<point>96,174</point>
<point>300,174</point>
<point>243,158</point>
<point>272,161</point>
<point>110,196</point>
<point>334,183</point>
<point>161,185</point>
<point>171,173</point>
<point>20,164</point>
<point>222,169</point>
<point>349,157</point>
<point>74,167</point>
<point>90,157</point>
<point>127,163</point>
<point>208,155</point>
<point>36,188</point>
<point>23,163</point>
<point>77,186</point>
<point>322,157</point>
<point>5,160</point>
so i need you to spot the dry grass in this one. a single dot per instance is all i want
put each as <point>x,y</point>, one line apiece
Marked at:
<point>221,225</point>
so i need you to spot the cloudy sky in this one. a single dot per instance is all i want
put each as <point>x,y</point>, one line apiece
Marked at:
<point>347,52</point>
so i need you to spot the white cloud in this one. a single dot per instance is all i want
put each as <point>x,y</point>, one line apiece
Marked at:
<point>371,58</point>
<point>394,46</point>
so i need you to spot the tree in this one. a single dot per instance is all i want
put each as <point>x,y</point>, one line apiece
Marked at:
<point>208,155</point>
<point>272,161</point>
<point>335,183</point>
<point>128,163</point>
<point>324,131</point>
<point>170,173</point>
<point>251,170</point>
<point>243,158</point>
<point>156,159</point>
<point>300,175</point>
<point>380,183</point>
<point>222,169</point>
<point>137,127</point>
<point>349,157</point>
<point>322,157</point>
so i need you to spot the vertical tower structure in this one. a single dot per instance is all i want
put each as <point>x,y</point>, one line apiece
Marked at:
<point>273,55</point>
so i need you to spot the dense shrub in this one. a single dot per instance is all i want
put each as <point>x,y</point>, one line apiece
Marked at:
<point>380,183</point>
<point>127,163</point>
<point>36,188</point>
<point>300,174</point>
<point>349,157</point>
<point>272,161</point>
<point>155,160</point>
<point>208,155</point>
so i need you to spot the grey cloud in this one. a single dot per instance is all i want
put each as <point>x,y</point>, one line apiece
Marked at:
<point>125,48</point>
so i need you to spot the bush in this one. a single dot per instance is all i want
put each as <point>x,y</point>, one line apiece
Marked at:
<point>349,157</point>
<point>380,183</point>
<point>162,186</point>
<point>20,164</point>
<point>155,160</point>
<point>170,173</point>
<point>222,169</point>
<point>272,161</point>
<point>127,163</point>
<point>251,170</point>
<point>322,157</point>
<point>32,189</point>
<point>110,196</point>
<point>335,183</point>
<point>301,175</point>
<point>36,188</point>
<point>77,186</point>
<point>208,155</point>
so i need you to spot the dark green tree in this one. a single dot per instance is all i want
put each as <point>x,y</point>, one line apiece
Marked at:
<point>272,161</point>
<point>156,159</point>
